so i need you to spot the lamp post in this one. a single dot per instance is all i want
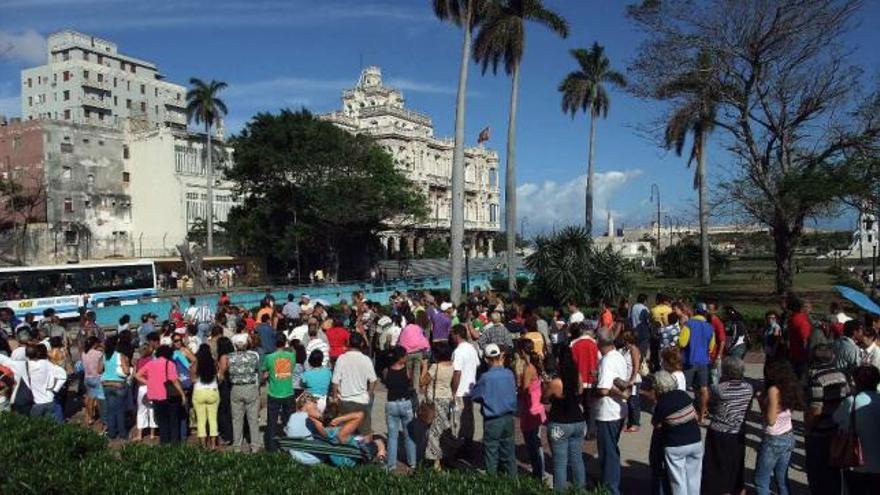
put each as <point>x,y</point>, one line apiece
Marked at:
<point>466,246</point>
<point>656,189</point>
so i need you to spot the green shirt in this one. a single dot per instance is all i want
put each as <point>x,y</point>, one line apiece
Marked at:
<point>280,366</point>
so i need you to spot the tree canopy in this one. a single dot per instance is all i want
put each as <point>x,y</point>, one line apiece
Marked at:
<point>312,189</point>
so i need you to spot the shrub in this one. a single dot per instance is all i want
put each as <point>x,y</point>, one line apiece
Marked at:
<point>683,260</point>
<point>42,457</point>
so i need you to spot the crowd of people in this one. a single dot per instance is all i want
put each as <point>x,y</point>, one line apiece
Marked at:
<point>558,380</point>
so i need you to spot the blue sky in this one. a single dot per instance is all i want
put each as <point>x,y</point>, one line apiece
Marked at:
<point>277,53</point>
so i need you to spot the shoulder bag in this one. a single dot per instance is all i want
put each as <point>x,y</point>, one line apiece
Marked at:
<point>170,389</point>
<point>846,448</point>
<point>427,410</point>
<point>23,401</point>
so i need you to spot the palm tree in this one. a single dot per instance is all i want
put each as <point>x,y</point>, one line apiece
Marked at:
<point>695,115</point>
<point>465,14</point>
<point>502,37</point>
<point>584,90</point>
<point>204,107</point>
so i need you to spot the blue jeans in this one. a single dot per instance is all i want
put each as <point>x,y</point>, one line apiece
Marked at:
<point>399,415</point>
<point>42,410</point>
<point>115,416</point>
<point>608,434</point>
<point>499,444</point>
<point>773,460</point>
<point>536,453</point>
<point>566,442</point>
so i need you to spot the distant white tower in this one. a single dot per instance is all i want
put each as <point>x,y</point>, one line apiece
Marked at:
<point>610,224</point>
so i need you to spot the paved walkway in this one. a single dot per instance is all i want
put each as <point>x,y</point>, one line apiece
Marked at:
<point>636,472</point>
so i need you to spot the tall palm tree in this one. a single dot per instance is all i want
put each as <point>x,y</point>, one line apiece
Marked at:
<point>464,14</point>
<point>502,37</point>
<point>204,107</point>
<point>584,90</point>
<point>700,92</point>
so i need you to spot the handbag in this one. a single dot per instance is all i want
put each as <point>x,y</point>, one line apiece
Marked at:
<point>427,410</point>
<point>170,389</point>
<point>846,448</point>
<point>23,401</point>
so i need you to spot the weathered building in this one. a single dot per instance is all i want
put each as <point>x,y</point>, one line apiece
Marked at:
<point>378,110</point>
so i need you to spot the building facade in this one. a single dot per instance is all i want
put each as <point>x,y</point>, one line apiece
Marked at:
<point>378,110</point>
<point>72,191</point>
<point>87,81</point>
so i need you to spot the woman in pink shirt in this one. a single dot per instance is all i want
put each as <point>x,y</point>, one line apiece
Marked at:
<point>412,338</point>
<point>155,375</point>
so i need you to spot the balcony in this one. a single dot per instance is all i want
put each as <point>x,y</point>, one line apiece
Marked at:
<point>175,118</point>
<point>174,103</point>
<point>402,113</point>
<point>95,84</point>
<point>99,103</point>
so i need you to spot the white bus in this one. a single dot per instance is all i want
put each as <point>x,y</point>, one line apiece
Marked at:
<point>66,288</point>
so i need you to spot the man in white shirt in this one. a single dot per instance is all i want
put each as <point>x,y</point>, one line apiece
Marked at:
<point>354,380</point>
<point>866,339</point>
<point>291,309</point>
<point>465,362</point>
<point>609,412</point>
<point>43,378</point>
<point>575,314</point>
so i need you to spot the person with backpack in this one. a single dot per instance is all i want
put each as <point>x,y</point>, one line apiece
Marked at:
<point>737,335</point>
<point>37,381</point>
<point>164,390</point>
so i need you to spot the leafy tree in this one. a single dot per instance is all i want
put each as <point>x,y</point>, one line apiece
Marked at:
<point>566,267</point>
<point>790,104</point>
<point>502,37</point>
<point>466,15</point>
<point>698,93</point>
<point>435,248</point>
<point>203,106</point>
<point>584,90</point>
<point>316,193</point>
<point>684,260</point>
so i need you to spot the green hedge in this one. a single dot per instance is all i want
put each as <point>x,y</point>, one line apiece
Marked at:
<point>45,458</point>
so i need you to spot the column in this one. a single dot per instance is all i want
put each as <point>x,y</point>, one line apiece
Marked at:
<point>490,249</point>
<point>395,243</point>
<point>473,250</point>
<point>411,245</point>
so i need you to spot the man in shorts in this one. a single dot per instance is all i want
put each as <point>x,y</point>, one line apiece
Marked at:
<point>696,341</point>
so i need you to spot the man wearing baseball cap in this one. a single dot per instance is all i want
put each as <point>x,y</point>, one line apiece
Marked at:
<point>441,321</point>
<point>496,392</point>
<point>696,341</point>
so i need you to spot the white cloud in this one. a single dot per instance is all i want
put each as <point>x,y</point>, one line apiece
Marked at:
<point>551,203</point>
<point>25,46</point>
<point>408,85</point>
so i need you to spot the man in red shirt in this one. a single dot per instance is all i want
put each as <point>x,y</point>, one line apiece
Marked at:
<point>799,329</point>
<point>337,337</point>
<point>585,354</point>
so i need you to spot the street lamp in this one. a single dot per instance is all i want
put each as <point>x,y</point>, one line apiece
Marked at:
<point>656,188</point>
<point>466,246</point>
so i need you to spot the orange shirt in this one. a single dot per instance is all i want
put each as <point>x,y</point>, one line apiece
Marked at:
<point>606,319</point>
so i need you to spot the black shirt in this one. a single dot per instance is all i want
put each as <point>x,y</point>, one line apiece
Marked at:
<point>678,419</point>
<point>398,384</point>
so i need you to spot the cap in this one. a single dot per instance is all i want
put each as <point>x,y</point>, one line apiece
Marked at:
<point>446,306</point>
<point>239,339</point>
<point>304,296</point>
<point>165,341</point>
<point>384,321</point>
<point>576,318</point>
<point>701,308</point>
<point>492,350</point>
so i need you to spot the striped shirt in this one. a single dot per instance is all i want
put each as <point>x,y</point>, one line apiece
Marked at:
<point>826,390</point>
<point>675,412</point>
<point>728,405</point>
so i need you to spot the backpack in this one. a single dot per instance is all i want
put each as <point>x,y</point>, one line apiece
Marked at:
<point>736,330</point>
<point>23,397</point>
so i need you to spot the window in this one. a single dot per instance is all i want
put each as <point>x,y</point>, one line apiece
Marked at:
<point>67,115</point>
<point>122,65</point>
<point>143,89</point>
<point>65,56</point>
<point>100,77</point>
<point>86,75</point>
<point>66,148</point>
<point>88,113</point>
<point>66,94</point>
<point>156,109</point>
<point>126,177</point>
<point>16,142</point>
<point>143,106</point>
<point>156,92</point>
<point>30,83</point>
<point>70,237</point>
<point>132,68</point>
<point>66,75</point>
<point>66,173</point>
<point>115,101</point>
<point>90,179</point>
<point>68,205</point>
<point>30,101</point>
<point>128,85</point>
<point>100,59</point>
<point>85,140</point>
<point>125,153</point>
<point>128,103</point>
<point>85,55</point>
<point>114,82</point>
<point>87,203</point>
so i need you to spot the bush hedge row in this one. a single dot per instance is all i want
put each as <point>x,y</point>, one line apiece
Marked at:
<point>42,457</point>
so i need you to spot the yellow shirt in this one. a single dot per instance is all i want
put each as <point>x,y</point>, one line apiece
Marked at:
<point>659,314</point>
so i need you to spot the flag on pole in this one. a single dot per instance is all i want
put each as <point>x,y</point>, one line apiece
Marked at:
<point>484,135</point>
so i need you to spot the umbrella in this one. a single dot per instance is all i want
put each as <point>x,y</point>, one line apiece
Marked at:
<point>858,298</point>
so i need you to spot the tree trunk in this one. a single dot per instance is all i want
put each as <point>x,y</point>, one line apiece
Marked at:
<point>588,217</point>
<point>510,185</point>
<point>457,221</point>
<point>784,244</point>
<point>704,214</point>
<point>210,190</point>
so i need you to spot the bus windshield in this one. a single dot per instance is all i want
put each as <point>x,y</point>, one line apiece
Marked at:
<point>54,282</point>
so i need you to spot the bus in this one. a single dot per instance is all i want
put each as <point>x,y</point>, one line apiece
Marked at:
<point>66,288</point>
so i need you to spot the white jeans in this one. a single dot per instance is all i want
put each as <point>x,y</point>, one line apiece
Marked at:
<point>145,416</point>
<point>685,467</point>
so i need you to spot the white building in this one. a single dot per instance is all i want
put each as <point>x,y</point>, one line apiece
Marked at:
<point>378,110</point>
<point>169,187</point>
<point>87,81</point>
<point>626,248</point>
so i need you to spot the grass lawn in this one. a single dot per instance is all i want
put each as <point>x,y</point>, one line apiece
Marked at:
<point>750,290</point>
